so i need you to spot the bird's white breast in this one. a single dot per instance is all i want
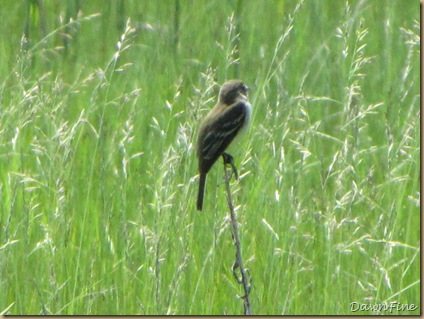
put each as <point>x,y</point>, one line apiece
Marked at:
<point>248,113</point>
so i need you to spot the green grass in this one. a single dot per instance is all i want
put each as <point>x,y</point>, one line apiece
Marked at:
<point>98,120</point>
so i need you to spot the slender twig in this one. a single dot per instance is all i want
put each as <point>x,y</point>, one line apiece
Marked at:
<point>238,264</point>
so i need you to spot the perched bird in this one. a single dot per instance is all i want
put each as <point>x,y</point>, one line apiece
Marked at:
<point>224,122</point>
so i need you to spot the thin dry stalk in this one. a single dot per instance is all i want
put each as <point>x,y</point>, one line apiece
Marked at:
<point>243,279</point>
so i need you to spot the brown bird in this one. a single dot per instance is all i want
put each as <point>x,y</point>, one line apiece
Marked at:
<point>224,122</point>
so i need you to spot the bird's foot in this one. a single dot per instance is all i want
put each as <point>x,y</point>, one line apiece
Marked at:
<point>228,159</point>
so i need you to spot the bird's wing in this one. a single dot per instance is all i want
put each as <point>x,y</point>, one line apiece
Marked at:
<point>223,131</point>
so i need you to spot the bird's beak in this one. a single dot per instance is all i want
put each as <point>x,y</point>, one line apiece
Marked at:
<point>247,89</point>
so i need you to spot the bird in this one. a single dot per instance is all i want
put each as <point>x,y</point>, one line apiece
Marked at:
<point>227,119</point>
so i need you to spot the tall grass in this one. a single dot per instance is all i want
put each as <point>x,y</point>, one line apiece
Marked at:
<point>99,111</point>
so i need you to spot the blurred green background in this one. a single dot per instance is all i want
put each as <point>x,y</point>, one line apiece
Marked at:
<point>100,103</point>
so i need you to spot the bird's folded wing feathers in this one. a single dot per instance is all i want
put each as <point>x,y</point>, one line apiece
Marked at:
<point>223,131</point>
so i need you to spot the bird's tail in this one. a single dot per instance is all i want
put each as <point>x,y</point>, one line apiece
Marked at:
<point>202,181</point>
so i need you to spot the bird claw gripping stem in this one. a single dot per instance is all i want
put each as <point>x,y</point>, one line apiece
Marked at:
<point>228,159</point>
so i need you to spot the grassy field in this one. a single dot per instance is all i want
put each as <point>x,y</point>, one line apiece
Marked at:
<point>100,103</point>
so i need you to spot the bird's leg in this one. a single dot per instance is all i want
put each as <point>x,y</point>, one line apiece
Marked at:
<point>228,159</point>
